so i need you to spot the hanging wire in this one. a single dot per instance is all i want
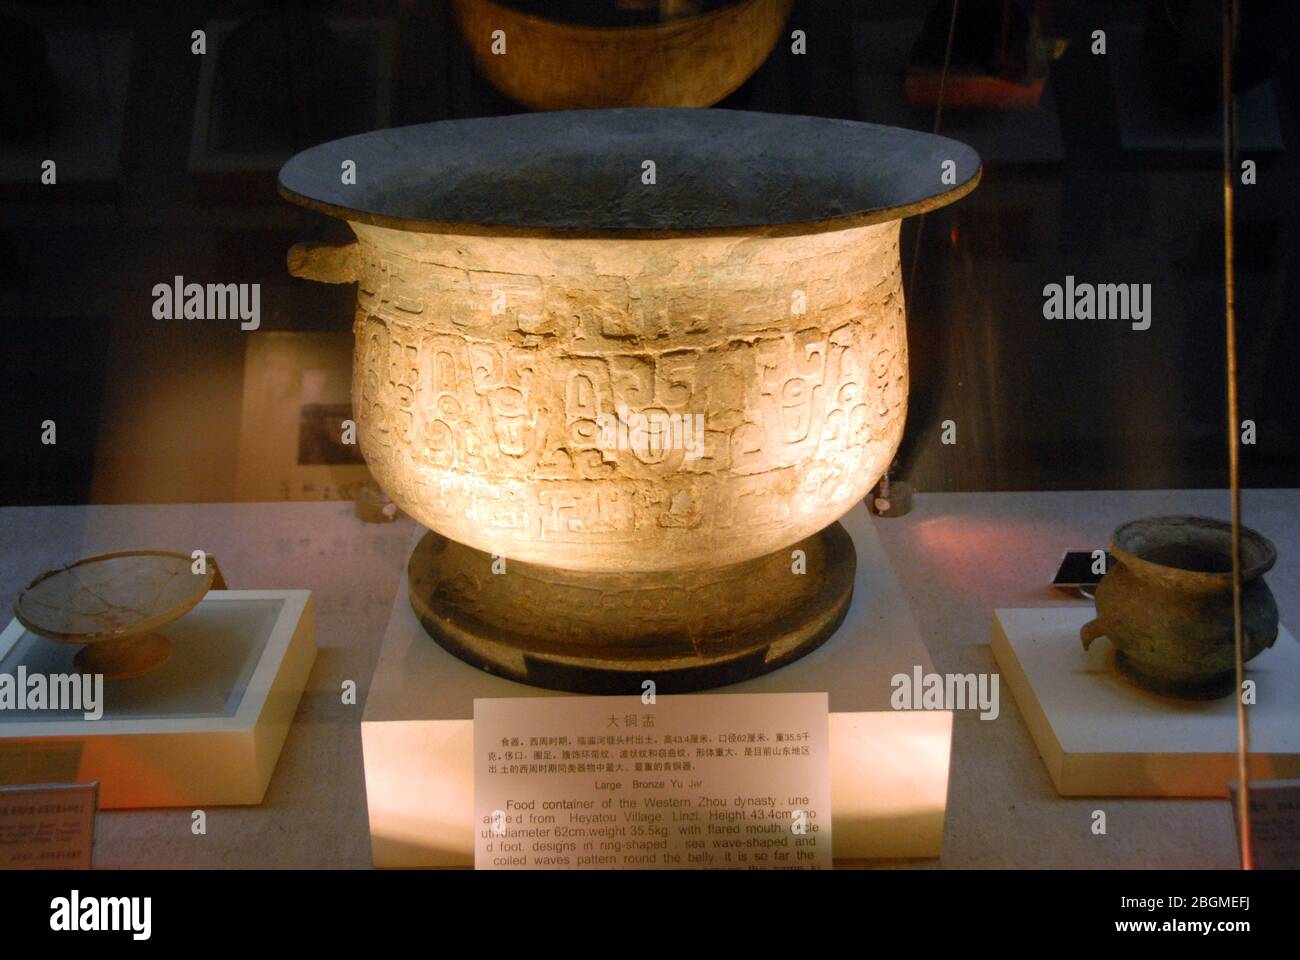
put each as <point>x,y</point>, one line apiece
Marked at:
<point>1234,448</point>
<point>938,114</point>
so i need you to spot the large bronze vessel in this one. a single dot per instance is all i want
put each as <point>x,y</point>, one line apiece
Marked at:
<point>644,359</point>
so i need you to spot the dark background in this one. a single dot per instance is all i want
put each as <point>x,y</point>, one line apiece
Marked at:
<point>149,410</point>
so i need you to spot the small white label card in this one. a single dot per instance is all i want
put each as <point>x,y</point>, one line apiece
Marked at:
<point>1274,823</point>
<point>739,781</point>
<point>47,826</point>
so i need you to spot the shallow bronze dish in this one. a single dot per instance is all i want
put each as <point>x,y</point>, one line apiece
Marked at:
<point>113,604</point>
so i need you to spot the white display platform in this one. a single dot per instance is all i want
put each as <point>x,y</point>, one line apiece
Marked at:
<point>1100,735</point>
<point>889,769</point>
<point>204,729</point>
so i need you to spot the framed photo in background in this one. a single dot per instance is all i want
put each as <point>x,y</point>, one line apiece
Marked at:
<point>297,393</point>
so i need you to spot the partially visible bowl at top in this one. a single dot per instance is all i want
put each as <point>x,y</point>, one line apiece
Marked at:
<point>546,61</point>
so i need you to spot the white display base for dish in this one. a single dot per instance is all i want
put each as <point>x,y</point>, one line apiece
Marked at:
<point>1100,735</point>
<point>204,729</point>
<point>889,769</point>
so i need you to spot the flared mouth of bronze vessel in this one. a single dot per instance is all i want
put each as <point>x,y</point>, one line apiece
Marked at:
<point>1191,552</point>
<point>633,172</point>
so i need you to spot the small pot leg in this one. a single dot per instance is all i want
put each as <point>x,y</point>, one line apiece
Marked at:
<point>1090,631</point>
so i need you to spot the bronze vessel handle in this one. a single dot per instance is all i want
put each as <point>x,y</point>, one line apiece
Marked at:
<point>325,262</point>
<point>1090,631</point>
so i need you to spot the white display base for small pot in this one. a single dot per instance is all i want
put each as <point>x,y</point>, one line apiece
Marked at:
<point>204,729</point>
<point>889,769</point>
<point>1100,735</point>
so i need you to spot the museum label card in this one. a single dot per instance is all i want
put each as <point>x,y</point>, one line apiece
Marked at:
<point>736,781</point>
<point>1274,823</point>
<point>47,827</point>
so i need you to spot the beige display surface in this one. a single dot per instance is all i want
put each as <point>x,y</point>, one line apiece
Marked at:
<point>1101,736</point>
<point>206,728</point>
<point>889,769</point>
<point>703,781</point>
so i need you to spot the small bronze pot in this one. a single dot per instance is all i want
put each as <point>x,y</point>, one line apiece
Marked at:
<point>1166,604</point>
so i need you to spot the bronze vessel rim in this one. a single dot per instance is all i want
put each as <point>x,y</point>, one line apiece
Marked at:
<point>871,174</point>
<point>1257,551</point>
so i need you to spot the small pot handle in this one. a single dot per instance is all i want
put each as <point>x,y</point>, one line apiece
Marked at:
<point>325,262</point>
<point>1090,631</point>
